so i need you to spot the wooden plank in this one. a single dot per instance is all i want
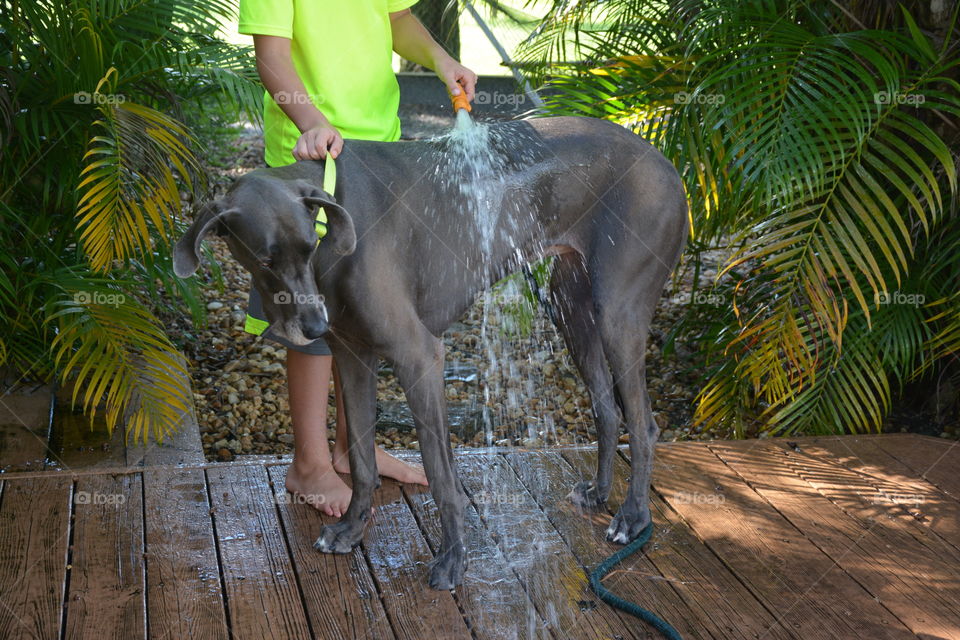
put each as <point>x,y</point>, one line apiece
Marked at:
<point>340,596</point>
<point>184,595</point>
<point>399,559</point>
<point>715,599</point>
<point>21,449</point>
<point>491,597</point>
<point>936,461</point>
<point>895,483</point>
<point>24,426</point>
<point>76,444</point>
<point>106,596</point>
<point>35,529</point>
<point>549,478</point>
<point>550,573</point>
<point>911,572</point>
<point>263,598</point>
<point>784,570</point>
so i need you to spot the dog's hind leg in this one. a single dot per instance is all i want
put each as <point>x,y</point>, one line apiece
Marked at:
<point>418,363</point>
<point>624,322</point>
<point>358,377</point>
<point>572,299</point>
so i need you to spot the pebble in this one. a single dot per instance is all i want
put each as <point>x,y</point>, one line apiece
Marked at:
<point>214,306</point>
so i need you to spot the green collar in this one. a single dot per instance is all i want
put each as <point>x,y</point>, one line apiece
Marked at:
<point>330,186</point>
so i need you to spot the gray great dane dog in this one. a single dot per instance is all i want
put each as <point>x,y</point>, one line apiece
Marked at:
<point>406,254</point>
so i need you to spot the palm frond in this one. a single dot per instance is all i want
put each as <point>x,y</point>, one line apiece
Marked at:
<point>129,186</point>
<point>114,350</point>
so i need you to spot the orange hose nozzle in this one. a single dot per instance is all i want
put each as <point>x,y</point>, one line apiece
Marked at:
<point>461,102</point>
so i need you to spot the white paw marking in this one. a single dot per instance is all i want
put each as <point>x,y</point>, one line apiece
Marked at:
<point>321,545</point>
<point>619,538</point>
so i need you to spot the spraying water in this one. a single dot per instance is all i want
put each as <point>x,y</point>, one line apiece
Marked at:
<point>478,168</point>
<point>484,168</point>
<point>477,165</point>
<point>480,165</point>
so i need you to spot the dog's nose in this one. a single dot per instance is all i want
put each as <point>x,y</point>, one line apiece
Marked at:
<point>313,329</point>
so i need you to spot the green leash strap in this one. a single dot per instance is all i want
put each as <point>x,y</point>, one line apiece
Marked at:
<point>330,186</point>
<point>605,567</point>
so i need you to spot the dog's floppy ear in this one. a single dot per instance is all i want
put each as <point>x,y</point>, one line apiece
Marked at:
<point>341,233</point>
<point>186,253</point>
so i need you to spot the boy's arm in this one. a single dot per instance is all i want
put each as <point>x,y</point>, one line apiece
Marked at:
<point>280,78</point>
<point>412,41</point>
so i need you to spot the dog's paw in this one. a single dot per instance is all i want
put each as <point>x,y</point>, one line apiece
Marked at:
<point>340,537</point>
<point>627,525</point>
<point>448,568</point>
<point>586,495</point>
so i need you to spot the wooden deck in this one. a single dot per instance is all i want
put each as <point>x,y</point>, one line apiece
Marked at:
<point>835,538</point>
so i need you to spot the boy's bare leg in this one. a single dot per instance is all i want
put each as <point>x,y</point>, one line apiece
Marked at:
<point>312,476</point>
<point>387,465</point>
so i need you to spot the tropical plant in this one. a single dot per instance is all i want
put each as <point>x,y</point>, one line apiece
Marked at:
<point>818,144</point>
<point>94,158</point>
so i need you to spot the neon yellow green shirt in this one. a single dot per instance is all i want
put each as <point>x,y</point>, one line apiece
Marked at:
<point>342,51</point>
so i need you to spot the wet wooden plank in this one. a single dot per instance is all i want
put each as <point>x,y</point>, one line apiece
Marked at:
<point>794,579</point>
<point>21,448</point>
<point>934,460</point>
<point>874,542</point>
<point>399,558</point>
<point>184,594</point>
<point>491,597</point>
<point>894,482</point>
<point>550,573</point>
<point>106,596</point>
<point>714,599</point>
<point>76,444</point>
<point>34,530</point>
<point>340,596</point>
<point>549,478</point>
<point>24,425</point>
<point>263,598</point>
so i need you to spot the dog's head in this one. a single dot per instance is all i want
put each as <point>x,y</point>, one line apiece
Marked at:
<point>268,224</point>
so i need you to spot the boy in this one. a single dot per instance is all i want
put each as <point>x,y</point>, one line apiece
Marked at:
<point>327,69</point>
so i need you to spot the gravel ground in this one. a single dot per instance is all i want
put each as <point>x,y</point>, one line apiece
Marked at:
<point>535,397</point>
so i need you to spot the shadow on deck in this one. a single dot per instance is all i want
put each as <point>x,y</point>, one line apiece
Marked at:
<point>855,537</point>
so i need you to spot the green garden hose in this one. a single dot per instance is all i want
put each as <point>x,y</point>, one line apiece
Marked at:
<point>596,576</point>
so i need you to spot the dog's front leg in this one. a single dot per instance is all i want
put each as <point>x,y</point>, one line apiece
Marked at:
<point>419,369</point>
<point>358,378</point>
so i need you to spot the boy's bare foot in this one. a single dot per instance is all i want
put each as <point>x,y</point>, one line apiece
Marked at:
<point>387,466</point>
<point>319,487</point>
